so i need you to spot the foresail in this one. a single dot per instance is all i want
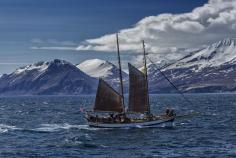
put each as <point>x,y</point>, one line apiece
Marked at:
<point>107,99</point>
<point>138,92</point>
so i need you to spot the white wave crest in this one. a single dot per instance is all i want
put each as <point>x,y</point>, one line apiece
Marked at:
<point>58,127</point>
<point>5,128</point>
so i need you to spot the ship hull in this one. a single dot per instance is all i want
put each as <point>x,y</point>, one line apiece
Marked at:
<point>144,124</point>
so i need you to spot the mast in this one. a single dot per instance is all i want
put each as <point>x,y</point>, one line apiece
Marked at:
<point>146,75</point>
<point>120,72</point>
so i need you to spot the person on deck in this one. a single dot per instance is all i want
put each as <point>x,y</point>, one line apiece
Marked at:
<point>172,113</point>
<point>111,118</point>
<point>167,112</point>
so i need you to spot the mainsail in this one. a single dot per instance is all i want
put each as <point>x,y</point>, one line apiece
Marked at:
<point>107,99</point>
<point>138,91</point>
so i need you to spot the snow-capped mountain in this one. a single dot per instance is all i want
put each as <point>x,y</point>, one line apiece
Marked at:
<point>100,68</point>
<point>211,69</point>
<point>103,69</point>
<point>208,69</point>
<point>53,77</point>
<point>217,54</point>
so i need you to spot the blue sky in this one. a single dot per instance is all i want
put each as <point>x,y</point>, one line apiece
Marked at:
<point>28,23</point>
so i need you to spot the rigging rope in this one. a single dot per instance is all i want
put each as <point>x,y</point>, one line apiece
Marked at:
<point>186,99</point>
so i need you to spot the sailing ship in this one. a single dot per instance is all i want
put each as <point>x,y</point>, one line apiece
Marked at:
<point>109,110</point>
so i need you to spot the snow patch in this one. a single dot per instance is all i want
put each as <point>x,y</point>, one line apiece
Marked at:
<point>96,68</point>
<point>40,66</point>
<point>217,54</point>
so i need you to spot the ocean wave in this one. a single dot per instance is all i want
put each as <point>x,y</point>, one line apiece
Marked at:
<point>47,128</point>
<point>83,141</point>
<point>58,127</point>
<point>5,128</point>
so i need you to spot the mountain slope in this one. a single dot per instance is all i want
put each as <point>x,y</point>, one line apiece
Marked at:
<point>47,78</point>
<point>97,68</point>
<point>211,69</point>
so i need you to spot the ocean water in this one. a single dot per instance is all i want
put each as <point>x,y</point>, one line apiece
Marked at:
<point>52,126</point>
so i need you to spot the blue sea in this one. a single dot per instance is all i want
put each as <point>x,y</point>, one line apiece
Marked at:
<point>53,126</point>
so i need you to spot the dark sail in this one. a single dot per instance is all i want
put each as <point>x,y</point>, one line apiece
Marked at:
<point>138,92</point>
<point>107,99</point>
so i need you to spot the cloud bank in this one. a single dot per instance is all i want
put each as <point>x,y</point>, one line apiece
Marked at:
<point>166,33</point>
<point>53,41</point>
<point>53,44</point>
<point>52,48</point>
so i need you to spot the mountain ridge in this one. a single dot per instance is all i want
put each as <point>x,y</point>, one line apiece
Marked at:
<point>47,78</point>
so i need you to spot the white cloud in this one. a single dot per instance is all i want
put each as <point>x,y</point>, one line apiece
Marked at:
<point>53,44</point>
<point>53,41</point>
<point>12,63</point>
<point>166,33</point>
<point>52,48</point>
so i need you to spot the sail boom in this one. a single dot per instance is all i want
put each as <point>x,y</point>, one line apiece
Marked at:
<point>100,111</point>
